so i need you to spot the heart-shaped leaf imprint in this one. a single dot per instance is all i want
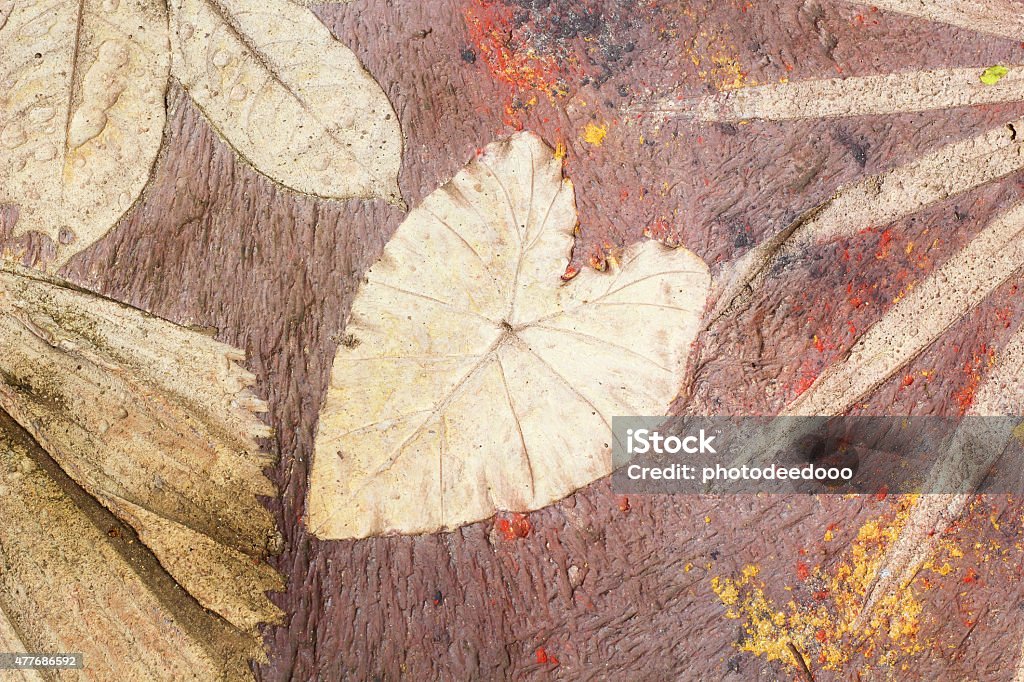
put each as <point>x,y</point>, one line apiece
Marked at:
<point>472,378</point>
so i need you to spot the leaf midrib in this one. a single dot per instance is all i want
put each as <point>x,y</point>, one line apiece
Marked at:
<point>226,18</point>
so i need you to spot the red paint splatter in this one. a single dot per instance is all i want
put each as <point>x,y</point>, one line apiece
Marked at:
<point>1005,316</point>
<point>515,527</point>
<point>543,657</point>
<point>624,504</point>
<point>660,229</point>
<point>511,57</point>
<point>973,370</point>
<point>971,576</point>
<point>805,383</point>
<point>803,571</point>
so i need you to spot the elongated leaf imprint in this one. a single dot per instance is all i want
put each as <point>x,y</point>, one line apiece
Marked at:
<point>289,98</point>
<point>925,313</point>
<point>920,317</point>
<point>471,380</point>
<point>998,395</point>
<point>876,201</point>
<point>854,96</point>
<point>155,423</point>
<point>928,310</point>
<point>998,17</point>
<point>81,113</point>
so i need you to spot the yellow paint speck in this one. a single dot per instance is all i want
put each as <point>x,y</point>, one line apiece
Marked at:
<point>993,74</point>
<point>560,151</point>
<point>594,134</point>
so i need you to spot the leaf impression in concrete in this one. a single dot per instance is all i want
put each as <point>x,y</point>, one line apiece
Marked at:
<point>876,200</point>
<point>996,17</point>
<point>288,97</point>
<point>81,113</point>
<point>906,330</point>
<point>929,309</point>
<point>130,475</point>
<point>859,96</point>
<point>998,395</point>
<point>473,379</point>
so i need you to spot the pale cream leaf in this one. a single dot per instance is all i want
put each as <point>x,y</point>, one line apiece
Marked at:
<point>81,113</point>
<point>473,379</point>
<point>287,96</point>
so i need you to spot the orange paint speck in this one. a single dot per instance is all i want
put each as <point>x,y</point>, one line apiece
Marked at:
<point>542,657</point>
<point>510,60</point>
<point>515,527</point>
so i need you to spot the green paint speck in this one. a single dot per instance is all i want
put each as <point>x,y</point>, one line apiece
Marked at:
<point>993,74</point>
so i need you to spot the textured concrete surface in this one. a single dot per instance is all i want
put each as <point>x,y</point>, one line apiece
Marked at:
<point>597,586</point>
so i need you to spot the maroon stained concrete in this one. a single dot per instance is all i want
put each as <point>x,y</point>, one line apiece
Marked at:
<point>214,244</point>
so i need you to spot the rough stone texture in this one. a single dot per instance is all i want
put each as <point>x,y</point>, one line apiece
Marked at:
<point>600,583</point>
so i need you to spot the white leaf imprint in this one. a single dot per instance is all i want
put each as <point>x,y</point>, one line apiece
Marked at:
<point>908,328</point>
<point>855,96</point>
<point>964,468</point>
<point>920,317</point>
<point>156,423</point>
<point>997,17</point>
<point>877,201</point>
<point>473,380</point>
<point>81,113</point>
<point>287,96</point>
